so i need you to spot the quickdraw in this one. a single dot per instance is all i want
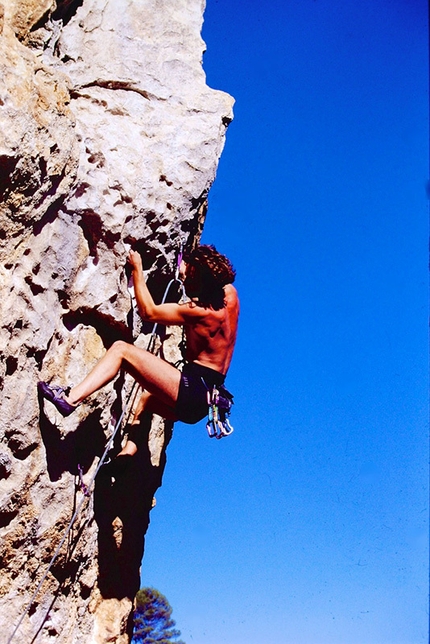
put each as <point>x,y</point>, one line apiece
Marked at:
<point>85,489</point>
<point>220,402</point>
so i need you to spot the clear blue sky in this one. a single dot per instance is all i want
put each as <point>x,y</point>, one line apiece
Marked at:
<point>309,524</point>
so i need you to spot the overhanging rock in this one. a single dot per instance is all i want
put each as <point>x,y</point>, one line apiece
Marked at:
<point>109,138</point>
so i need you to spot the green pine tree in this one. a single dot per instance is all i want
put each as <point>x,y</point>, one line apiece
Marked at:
<point>153,623</point>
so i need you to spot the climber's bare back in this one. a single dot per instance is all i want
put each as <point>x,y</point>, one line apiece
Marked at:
<point>211,337</point>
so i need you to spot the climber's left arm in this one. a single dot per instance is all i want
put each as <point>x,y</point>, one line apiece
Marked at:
<point>170,313</point>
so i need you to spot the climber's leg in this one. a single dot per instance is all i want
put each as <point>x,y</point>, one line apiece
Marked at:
<point>154,374</point>
<point>147,403</point>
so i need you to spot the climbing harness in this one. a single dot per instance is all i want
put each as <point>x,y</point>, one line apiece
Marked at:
<point>87,488</point>
<point>220,402</point>
<point>182,346</point>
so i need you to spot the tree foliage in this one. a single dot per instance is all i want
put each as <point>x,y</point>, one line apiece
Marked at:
<point>153,623</point>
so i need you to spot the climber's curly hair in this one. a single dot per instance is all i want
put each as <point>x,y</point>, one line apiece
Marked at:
<point>219,266</point>
<point>215,272</point>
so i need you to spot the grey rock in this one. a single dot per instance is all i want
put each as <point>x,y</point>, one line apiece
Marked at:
<point>5,466</point>
<point>109,138</point>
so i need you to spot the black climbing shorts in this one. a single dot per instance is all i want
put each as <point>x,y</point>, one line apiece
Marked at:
<point>192,404</point>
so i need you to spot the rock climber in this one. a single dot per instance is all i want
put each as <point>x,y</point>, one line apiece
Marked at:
<point>209,318</point>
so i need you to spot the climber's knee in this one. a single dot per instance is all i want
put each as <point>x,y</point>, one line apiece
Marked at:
<point>119,346</point>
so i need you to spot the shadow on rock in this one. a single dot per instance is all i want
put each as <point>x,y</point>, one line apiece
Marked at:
<point>65,453</point>
<point>121,509</point>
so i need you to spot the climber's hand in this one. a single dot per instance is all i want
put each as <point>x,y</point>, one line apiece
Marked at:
<point>135,261</point>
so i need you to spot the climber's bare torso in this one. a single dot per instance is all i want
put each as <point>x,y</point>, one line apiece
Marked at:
<point>211,336</point>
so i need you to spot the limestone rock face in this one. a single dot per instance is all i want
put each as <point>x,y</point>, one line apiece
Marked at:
<point>109,139</point>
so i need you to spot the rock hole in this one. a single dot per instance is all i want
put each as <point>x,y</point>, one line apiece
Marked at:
<point>107,328</point>
<point>11,365</point>
<point>162,239</point>
<point>5,466</point>
<point>97,158</point>
<point>7,167</point>
<point>37,356</point>
<point>18,449</point>
<point>41,22</point>
<point>164,178</point>
<point>32,609</point>
<point>92,228</point>
<point>81,189</point>
<point>36,289</point>
<point>49,216</point>
<point>63,298</point>
<point>6,516</point>
<point>66,10</point>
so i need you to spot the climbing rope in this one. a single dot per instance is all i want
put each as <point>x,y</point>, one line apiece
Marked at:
<point>87,488</point>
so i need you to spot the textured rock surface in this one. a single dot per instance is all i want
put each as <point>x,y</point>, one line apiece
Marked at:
<point>109,137</point>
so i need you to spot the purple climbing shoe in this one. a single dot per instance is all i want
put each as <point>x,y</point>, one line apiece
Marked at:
<point>55,395</point>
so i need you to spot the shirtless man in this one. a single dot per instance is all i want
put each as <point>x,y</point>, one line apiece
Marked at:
<point>210,319</point>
